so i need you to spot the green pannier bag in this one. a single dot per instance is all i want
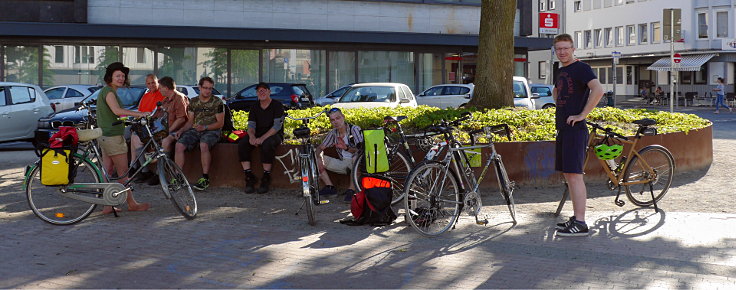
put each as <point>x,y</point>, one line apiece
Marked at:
<point>376,159</point>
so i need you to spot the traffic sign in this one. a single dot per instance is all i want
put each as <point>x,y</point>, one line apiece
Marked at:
<point>616,55</point>
<point>677,58</point>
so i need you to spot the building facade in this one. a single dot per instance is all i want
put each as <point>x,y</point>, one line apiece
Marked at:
<point>324,44</point>
<point>636,29</point>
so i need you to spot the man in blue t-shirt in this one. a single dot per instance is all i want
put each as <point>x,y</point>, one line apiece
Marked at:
<point>576,93</point>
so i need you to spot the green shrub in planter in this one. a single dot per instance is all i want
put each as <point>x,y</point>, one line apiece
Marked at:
<point>526,125</point>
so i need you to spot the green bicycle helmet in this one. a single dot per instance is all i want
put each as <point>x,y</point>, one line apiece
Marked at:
<point>608,152</point>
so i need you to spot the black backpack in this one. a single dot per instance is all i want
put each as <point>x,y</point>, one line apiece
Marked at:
<point>228,122</point>
<point>372,205</point>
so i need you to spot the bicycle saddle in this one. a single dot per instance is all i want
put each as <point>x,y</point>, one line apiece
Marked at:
<point>645,122</point>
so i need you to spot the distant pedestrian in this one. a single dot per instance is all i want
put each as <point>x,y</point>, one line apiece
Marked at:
<point>720,90</point>
<point>577,91</point>
<point>658,95</point>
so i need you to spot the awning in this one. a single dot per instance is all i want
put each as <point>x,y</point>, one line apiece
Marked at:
<point>688,63</point>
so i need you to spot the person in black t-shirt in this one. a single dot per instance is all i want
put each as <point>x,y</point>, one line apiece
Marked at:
<point>576,93</point>
<point>266,131</point>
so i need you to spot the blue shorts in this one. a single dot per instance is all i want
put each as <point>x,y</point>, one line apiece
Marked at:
<point>571,149</point>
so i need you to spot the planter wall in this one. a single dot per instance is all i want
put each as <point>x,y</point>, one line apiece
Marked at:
<point>529,163</point>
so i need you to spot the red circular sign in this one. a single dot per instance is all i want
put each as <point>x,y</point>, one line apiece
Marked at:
<point>677,58</point>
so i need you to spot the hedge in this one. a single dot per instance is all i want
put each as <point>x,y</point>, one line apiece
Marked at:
<point>526,125</point>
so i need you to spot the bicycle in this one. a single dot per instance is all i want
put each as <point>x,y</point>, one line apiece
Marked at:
<point>71,203</point>
<point>308,169</point>
<point>636,171</point>
<point>437,191</point>
<point>399,153</point>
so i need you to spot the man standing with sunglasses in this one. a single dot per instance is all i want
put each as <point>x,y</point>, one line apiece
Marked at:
<point>265,131</point>
<point>577,91</point>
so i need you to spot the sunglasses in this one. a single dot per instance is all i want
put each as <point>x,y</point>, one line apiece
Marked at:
<point>333,110</point>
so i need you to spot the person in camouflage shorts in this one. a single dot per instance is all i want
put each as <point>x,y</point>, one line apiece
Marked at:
<point>205,118</point>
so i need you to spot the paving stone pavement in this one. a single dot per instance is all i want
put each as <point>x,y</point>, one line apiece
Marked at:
<point>256,241</point>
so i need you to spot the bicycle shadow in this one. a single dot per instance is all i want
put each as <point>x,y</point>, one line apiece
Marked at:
<point>630,224</point>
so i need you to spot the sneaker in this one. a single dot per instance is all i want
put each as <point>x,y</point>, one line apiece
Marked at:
<point>576,229</point>
<point>153,180</point>
<point>349,196</point>
<point>202,184</point>
<point>562,226</point>
<point>265,183</point>
<point>328,190</point>
<point>250,182</point>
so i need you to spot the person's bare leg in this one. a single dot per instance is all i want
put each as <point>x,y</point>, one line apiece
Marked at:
<point>204,151</point>
<point>245,165</point>
<point>179,156</point>
<point>121,166</point>
<point>578,194</point>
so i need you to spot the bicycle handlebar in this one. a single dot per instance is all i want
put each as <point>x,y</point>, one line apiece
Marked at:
<point>608,131</point>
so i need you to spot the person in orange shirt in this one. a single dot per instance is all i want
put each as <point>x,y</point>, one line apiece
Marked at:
<point>147,104</point>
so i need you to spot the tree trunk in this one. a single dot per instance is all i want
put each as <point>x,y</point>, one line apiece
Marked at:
<point>495,67</point>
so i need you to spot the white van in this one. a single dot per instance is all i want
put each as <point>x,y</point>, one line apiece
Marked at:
<point>522,93</point>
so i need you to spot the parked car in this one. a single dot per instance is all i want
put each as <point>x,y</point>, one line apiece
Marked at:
<point>20,107</point>
<point>542,96</point>
<point>372,95</point>
<point>332,97</point>
<point>522,93</point>
<point>292,96</point>
<point>446,96</point>
<point>193,91</point>
<point>129,96</point>
<point>64,97</point>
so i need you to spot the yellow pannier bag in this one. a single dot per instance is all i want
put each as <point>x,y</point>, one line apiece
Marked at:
<point>56,166</point>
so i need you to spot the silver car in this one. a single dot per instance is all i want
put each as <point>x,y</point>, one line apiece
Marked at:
<point>542,96</point>
<point>21,105</point>
<point>64,97</point>
<point>447,96</point>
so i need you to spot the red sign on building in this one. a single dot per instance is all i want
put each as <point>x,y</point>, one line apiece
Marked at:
<point>549,23</point>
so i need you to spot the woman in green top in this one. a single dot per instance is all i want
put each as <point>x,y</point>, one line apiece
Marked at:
<point>112,142</point>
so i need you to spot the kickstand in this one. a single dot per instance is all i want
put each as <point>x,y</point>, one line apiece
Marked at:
<point>114,211</point>
<point>565,195</point>
<point>300,207</point>
<point>654,201</point>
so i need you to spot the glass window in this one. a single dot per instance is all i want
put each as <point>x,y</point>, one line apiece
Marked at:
<point>342,69</point>
<point>602,75</point>
<point>20,95</point>
<point>407,92</point>
<point>520,65</point>
<point>630,78</point>
<point>21,64</point>
<point>456,90</point>
<point>84,54</point>
<point>386,66</point>
<point>542,66</point>
<point>54,94</point>
<point>686,77</point>
<point>519,90</point>
<point>619,75</point>
<point>71,72</point>
<point>72,93</point>
<point>702,25</point>
<point>186,65</point>
<point>433,91</point>
<point>58,54</point>
<point>552,5</point>
<point>619,2</point>
<point>2,96</point>
<point>722,24</point>
<point>656,32</point>
<point>578,39</point>
<point>631,32</point>
<point>588,39</point>
<point>643,31</point>
<point>542,5</point>
<point>183,90</point>
<point>296,66</point>
<point>542,91</point>
<point>244,68</point>
<point>598,34</point>
<point>429,69</point>
<point>608,35</point>
<point>141,55</point>
<point>701,76</point>
<point>577,6</point>
<point>620,36</point>
<point>370,94</point>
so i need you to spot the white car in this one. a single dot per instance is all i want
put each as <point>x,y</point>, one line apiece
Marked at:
<point>542,96</point>
<point>373,95</point>
<point>64,97</point>
<point>522,93</point>
<point>332,97</point>
<point>447,96</point>
<point>21,105</point>
<point>193,91</point>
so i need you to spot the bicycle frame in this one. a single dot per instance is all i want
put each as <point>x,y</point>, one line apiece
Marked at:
<point>616,178</point>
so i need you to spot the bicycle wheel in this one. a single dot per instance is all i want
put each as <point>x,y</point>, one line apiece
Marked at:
<point>49,203</point>
<point>306,169</point>
<point>436,199</point>
<point>177,188</point>
<point>506,187</point>
<point>660,160</point>
<point>399,169</point>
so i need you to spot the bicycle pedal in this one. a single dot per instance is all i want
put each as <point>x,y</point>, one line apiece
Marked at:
<point>482,223</point>
<point>324,201</point>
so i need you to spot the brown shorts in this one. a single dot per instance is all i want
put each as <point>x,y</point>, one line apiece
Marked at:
<point>113,145</point>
